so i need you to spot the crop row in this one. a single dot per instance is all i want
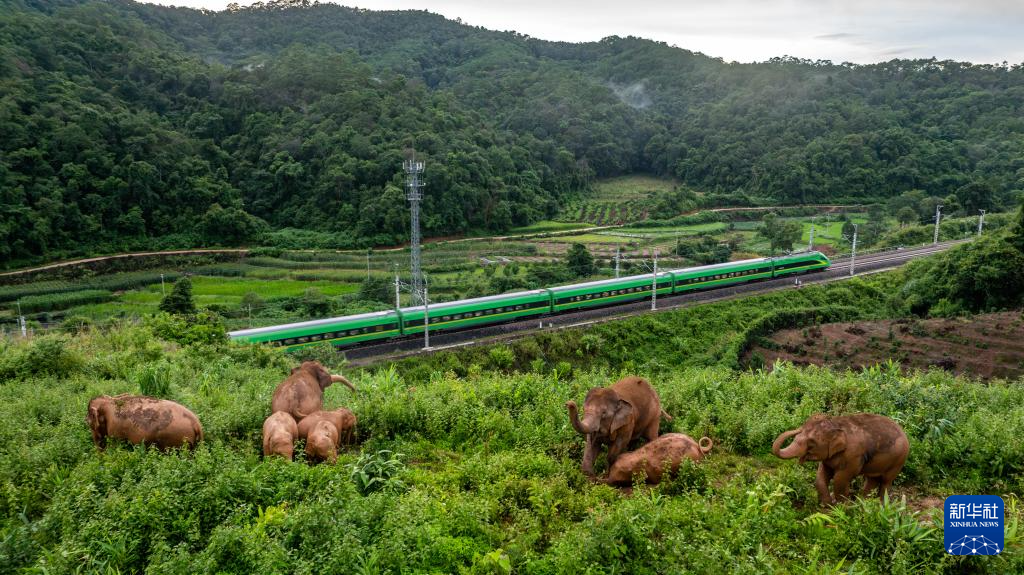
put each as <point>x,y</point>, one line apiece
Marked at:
<point>114,282</point>
<point>57,301</point>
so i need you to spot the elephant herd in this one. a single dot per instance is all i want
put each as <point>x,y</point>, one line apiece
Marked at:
<point>615,416</point>
<point>296,413</point>
<point>845,447</point>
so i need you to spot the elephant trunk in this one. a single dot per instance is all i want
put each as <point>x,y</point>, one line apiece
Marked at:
<point>789,452</point>
<point>574,419</point>
<point>342,379</point>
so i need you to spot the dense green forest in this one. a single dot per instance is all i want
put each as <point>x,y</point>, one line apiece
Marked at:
<point>138,126</point>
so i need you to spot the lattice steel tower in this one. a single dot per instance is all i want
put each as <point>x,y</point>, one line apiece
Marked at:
<point>413,169</point>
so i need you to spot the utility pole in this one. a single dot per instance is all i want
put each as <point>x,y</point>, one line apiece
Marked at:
<point>938,218</point>
<point>21,322</point>
<point>413,169</point>
<point>398,297</point>
<point>981,221</point>
<point>426,316</point>
<point>853,252</point>
<point>249,307</point>
<point>654,284</point>
<point>810,244</point>
<point>162,290</point>
<point>368,250</point>
<point>617,257</point>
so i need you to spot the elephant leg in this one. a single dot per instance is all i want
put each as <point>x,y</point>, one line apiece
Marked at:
<point>885,484</point>
<point>617,447</point>
<point>841,484</point>
<point>869,484</point>
<point>651,433</point>
<point>589,454</point>
<point>821,485</point>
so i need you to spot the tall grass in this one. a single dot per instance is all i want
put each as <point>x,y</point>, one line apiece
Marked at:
<point>489,478</point>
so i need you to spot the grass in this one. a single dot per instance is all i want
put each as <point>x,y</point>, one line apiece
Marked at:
<point>623,188</point>
<point>487,475</point>
<point>596,238</point>
<point>547,226</point>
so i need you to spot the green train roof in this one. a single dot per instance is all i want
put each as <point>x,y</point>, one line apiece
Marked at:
<point>313,323</point>
<point>477,300</point>
<point>610,282</point>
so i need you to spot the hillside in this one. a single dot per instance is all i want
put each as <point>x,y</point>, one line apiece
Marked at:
<point>135,126</point>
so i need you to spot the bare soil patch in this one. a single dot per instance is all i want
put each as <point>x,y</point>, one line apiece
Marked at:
<point>985,346</point>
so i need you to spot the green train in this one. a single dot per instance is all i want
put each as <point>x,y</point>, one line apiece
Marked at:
<point>356,329</point>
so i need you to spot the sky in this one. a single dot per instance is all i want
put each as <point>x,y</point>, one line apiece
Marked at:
<point>860,31</point>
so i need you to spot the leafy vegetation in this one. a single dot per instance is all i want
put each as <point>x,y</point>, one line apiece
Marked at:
<point>490,475</point>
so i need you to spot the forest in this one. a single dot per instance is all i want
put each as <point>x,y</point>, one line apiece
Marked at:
<point>135,126</point>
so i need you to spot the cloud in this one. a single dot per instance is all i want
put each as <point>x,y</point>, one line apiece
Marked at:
<point>836,36</point>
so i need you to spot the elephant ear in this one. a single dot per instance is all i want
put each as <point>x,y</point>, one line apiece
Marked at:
<point>323,377</point>
<point>623,415</point>
<point>837,443</point>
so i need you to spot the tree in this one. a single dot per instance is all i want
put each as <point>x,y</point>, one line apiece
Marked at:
<point>906,215</point>
<point>579,261</point>
<point>377,289</point>
<point>975,196</point>
<point>179,301</point>
<point>781,234</point>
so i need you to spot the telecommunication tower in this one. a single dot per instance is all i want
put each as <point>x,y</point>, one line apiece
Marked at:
<point>413,169</point>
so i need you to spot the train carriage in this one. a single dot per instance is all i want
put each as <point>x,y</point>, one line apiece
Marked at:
<point>340,331</point>
<point>477,311</point>
<point>718,275</point>
<point>608,292</point>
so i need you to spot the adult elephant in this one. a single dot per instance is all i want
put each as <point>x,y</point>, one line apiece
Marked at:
<point>140,419</point>
<point>616,415</point>
<point>302,392</point>
<point>847,446</point>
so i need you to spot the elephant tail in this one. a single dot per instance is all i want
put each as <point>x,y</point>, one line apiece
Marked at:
<point>705,441</point>
<point>666,415</point>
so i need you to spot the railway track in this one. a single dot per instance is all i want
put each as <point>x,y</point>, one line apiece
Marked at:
<point>840,270</point>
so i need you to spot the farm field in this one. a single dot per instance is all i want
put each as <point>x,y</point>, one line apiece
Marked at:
<point>484,463</point>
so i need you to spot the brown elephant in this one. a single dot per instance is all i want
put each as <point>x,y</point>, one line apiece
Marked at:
<point>616,415</point>
<point>302,392</point>
<point>863,444</point>
<point>322,442</point>
<point>141,419</point>
<point>279,434</point>
<point>343,419</point>
<point>666,452</point>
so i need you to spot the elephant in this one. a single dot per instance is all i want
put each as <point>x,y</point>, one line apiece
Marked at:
<point>322,442</point>
<point>279,434</point>
<point>616,415</point>
<point>343,419</point>
<point>666,452</point>
<point>140,419</point>
<point>302,392</point>
<point>847,446</point>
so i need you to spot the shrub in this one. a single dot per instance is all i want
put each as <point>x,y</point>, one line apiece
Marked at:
<point>50,302</point>
<point>376,471</point>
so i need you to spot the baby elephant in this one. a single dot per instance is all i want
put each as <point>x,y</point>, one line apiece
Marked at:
<point>863,444</point>
<point>343,419</point>
<point>322,442</point>
<point>665,453</point>
<point>140,419</point>
<point>279,434</point>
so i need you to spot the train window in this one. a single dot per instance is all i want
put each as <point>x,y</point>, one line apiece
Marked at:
<point>477,314</point>
<point>303,339</point>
